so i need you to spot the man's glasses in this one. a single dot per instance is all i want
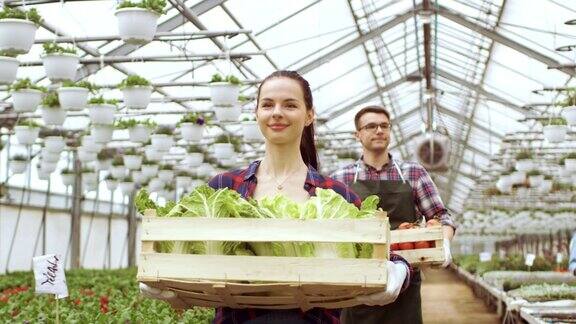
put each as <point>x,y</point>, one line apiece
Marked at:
<point>373,127</point>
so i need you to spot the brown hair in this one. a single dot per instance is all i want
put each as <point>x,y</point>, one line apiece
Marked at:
<point>307,144</point>
<point>370,109</point>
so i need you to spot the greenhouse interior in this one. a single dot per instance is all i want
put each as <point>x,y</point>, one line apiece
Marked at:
<point>153,153</point>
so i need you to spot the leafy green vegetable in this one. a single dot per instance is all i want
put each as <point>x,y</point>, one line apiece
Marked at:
<point>15,13</point>
<point>152,5</point>
<point>54,48</point>
<point>133,81</point>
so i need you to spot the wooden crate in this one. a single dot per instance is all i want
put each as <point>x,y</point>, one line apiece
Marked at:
<point>419,257</point>
<point>282,282</point>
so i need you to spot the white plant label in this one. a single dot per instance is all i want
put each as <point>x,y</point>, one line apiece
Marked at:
<point>49,275</point>
<point>485,256</point>
<point>529,259</point>
<point>559,257</point>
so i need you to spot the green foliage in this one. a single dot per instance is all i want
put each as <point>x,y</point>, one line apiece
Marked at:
<point>29,122</point>
<point>131,151</point>
<point>183,173</point>
<point>348,155</point>
<point>87,170</point>
<point>164,130</point>
<point>54,48</point>
<point>105,155</point>
<point>169,187</point>
<point>194,118</point>
<point>169,167</point>
<point>524,155</point>
<point>554,121</point>
<point>230,79</point>
<point>80,84</point>
<point>8,53</point>
<point>472,264</point>
<point>15,13</point>
<point>67,171</point>
<point>22,84</point>
<point>194,149</point>
<point>99,100</point>
<point>133,81</point>
<point>570,99</point>
<point>51,100</point>
<point>127,179</point>
<point>117,161</point>
<point>131,123</point>
<point>19,157</point>
<point>533,173</point>
<point>152,5</point>
<point>226,138</point>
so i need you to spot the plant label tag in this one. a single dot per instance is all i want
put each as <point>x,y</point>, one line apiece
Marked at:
<point>529,259</point>
<point>485,256</point>
<point>49,275</point>
<point>559,257</point>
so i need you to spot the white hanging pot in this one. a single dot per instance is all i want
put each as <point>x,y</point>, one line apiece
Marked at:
<point>17,35</point>
<point>61,66</point>
<point>136,25</point>
<point>166,175</point>
<point>223,150</point>
<point>251,131</point>
<point>90,144</point>
<point>149,170</point>
<point>555,133</point>
<point>118,171</point>
<point>183,181</point>
<point>8,69</point>
<point>139,134</point>
<point>132,162</point>
<point>565,173</point>
<point>169,195</point>
<point>138,177</point>
<point>569,113</point>
<point>68,179</point>
<point>54,116</point>
<point>50,156</point>
<point>524,165</point>
<point>18,167</point>
<point>137,97</point>
<point>194,160</point>
<point>570,164</point>
<point>518,177</point>
<point>227,114</point>
<point>127,187</point>
<point>85,155</point>
<point>89,186</point>
<point>204,170</point>
<point>43,175</point>
<point>155,185</point>
<point>535,181</point>
<point>90,178</point>
<point>545,186</point>
<point>102,133</point>
<point>101,114</point>
<point>54,144</point>
<point>26,100</point>
<point>103,165</point>
<point>48,167</point>
<point>224,94</point>
<point>192,131</point>
<point>162,142</point>
<point>504,184</point>
<point>26,135</point>
<point>152,154</point>
<point>229,162</point>
<point>73,98</point>
<point>111,184</point>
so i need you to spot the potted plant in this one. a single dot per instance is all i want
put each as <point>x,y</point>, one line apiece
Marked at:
<point>224,90</point>
<point>74,95</point>
<point>149,168</point>
<point>546,184</point>
<point>155,185</point>
<point>67,176</point>
<point>169,192</point>
<point>8,67</point>
<point>101,111</point>
<point>48,166</point>
<point>26,95</point>
<point>104,159</point>
<point>127,185</point>
<point>166,172</point>
<point>151,154</point>
<point>192,126</point>
<point>49,156</point>
<point>138,130</point>
<point>162,139</point>
<point>89,143</point>
<point>535,178</point>
<point>524,160</point>
<point>137,92</point>
<point>139,177</point>
<point>52,113</point>
<point>250,129</point>
<point>183,179</point>
<point>555,129</point>
<point>118,170</point>
<point>569,107</point>
<point>89,176</point>
<point>18,29</point>
<point>111,183</point>
<point>18,163</point>
<point>102,133</point>
<point>86,155</point>
<point>225,146</point>
<point>60,63</point>
<point>569,162</point>
<point>53,140</point>
<point>137,21</point>
<point>195,156</point>
<point>27,131</point>
<point>132,160</point>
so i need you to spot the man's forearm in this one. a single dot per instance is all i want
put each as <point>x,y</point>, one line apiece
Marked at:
<point>448,232</point>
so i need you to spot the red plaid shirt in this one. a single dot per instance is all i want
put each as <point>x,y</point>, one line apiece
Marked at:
<point>244,182</point>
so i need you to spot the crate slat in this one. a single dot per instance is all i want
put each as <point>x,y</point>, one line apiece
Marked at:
<point>422,256</point>
<point>259,230</point>
<point>416,234</point>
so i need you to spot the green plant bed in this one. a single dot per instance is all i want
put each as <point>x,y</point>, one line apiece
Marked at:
<point>509,280</point>
<point>544,292</point>
<point>96,296</point>
<point>472,264</point>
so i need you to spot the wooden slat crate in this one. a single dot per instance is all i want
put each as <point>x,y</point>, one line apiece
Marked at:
<point>418,257</point>
<point>276,282</point>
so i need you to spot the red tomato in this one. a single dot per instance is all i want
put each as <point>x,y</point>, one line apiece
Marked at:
<point>421,245</point>
<point>394,247</point>
<point>406,246</point>
<point>433,222</point>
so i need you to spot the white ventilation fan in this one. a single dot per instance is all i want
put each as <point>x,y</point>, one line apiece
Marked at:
<point>433,152</point>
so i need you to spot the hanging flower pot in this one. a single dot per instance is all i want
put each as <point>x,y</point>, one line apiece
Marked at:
<point>68,177</point>
<point>89,177</point>
<point>48,167</point>
<point>194,159</point>
<point>118,171</point>
<point>224,91</point>
<point>162,140</point>
<point>518,177</point>
<point>223,150</point>
<point>26,99</point>
<point>251,131</point>
<point>570,162</point>
<point>27,132</point>
<point>204,170</point>
<point>85,155</point>
<point>138,177</point>
<point>53,116</point>
<point>166,173</point>
<point>569,113</point>
<point>60,67</point>
<point>227,113</point>
<point>137,25</point>
<point>535,180</point>
<point>54,144</point>
<point>183,179</point>
<point>18,164</point>
<point>90,144</point>
<point>8,69</point>
<point>192,126</point>
<point>555,130</point>
<point>49,156</point>
<point>126,186</point>
<point>73,98</point>
<point>137,92</point>
<point>17,35</point>
<point>546,186</point>
<point>155,185</point>
<point>150,170</point>
<point>132,161</point>
<point>103,165</point>
<point>152,154</point>
<point>565,173</point>
<point>140,133</point>
<point>111,183</point>
<point>101,113</point>
<point>102,133</point>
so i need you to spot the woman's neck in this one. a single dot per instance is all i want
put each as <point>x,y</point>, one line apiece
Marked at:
<point>282,159</point>
<point>376,160</point>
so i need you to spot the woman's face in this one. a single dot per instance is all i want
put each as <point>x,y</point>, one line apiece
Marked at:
<point>281,111</point>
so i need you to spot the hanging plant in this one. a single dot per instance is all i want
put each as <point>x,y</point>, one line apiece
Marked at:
<point>59,62</point>
<point>102,133</point>
<point>52,112</point>
<point>132,159</point>
<point>137,92</point>
<point>18,29</point>
<point>8,67</point>
<point>224,91</point>
<point>162,139</point>
<point>224,147</point>
<point>137,21</point>
<point>26,95</point>
<point>74,95</point>
<point>149,168</point>
<point>195,156</point>
<point>166,172</point>
<point>118,170</point>
<point>555,129</point>
<point>524,160</point>
<point>138,130</point>
<point>27,131</point>
<point>104,159</point>
<point>250,129</point>
<point>569,161</point>
<point>192,126</point>
<point>101,111</point>
<point>569,107</point>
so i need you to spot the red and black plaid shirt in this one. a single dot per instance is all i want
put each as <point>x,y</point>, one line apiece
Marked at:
<point>244,182</point>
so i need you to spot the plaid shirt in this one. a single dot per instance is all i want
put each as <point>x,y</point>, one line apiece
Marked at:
<point>426,197</point>
<point>244,182</point>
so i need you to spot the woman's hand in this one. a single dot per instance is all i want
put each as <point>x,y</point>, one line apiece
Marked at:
<point>397,273</point>
<point>156,293</point>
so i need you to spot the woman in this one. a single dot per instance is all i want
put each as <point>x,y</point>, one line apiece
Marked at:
<point>285,115</point>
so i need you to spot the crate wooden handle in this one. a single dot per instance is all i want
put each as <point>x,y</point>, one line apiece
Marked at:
<point>382,251</point>
<point>148,246</point>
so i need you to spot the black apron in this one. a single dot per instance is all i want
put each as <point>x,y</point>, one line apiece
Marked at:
<point>397,200</point>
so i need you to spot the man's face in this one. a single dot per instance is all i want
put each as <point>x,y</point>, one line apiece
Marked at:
<point>374,132</point>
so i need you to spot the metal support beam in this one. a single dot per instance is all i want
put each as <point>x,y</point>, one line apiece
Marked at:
<point>132,224</point>
<point>163,36</point>
<point>76,215</point>
<point>463,119</point>
<point>459,141</point>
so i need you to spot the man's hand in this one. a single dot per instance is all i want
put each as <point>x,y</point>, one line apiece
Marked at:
<point>397,273</point>
<point>156,293</point>
<point>447,253</point>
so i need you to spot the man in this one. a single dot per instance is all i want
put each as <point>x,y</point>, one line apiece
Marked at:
<point>406,192</point>
<point>572,255</point>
